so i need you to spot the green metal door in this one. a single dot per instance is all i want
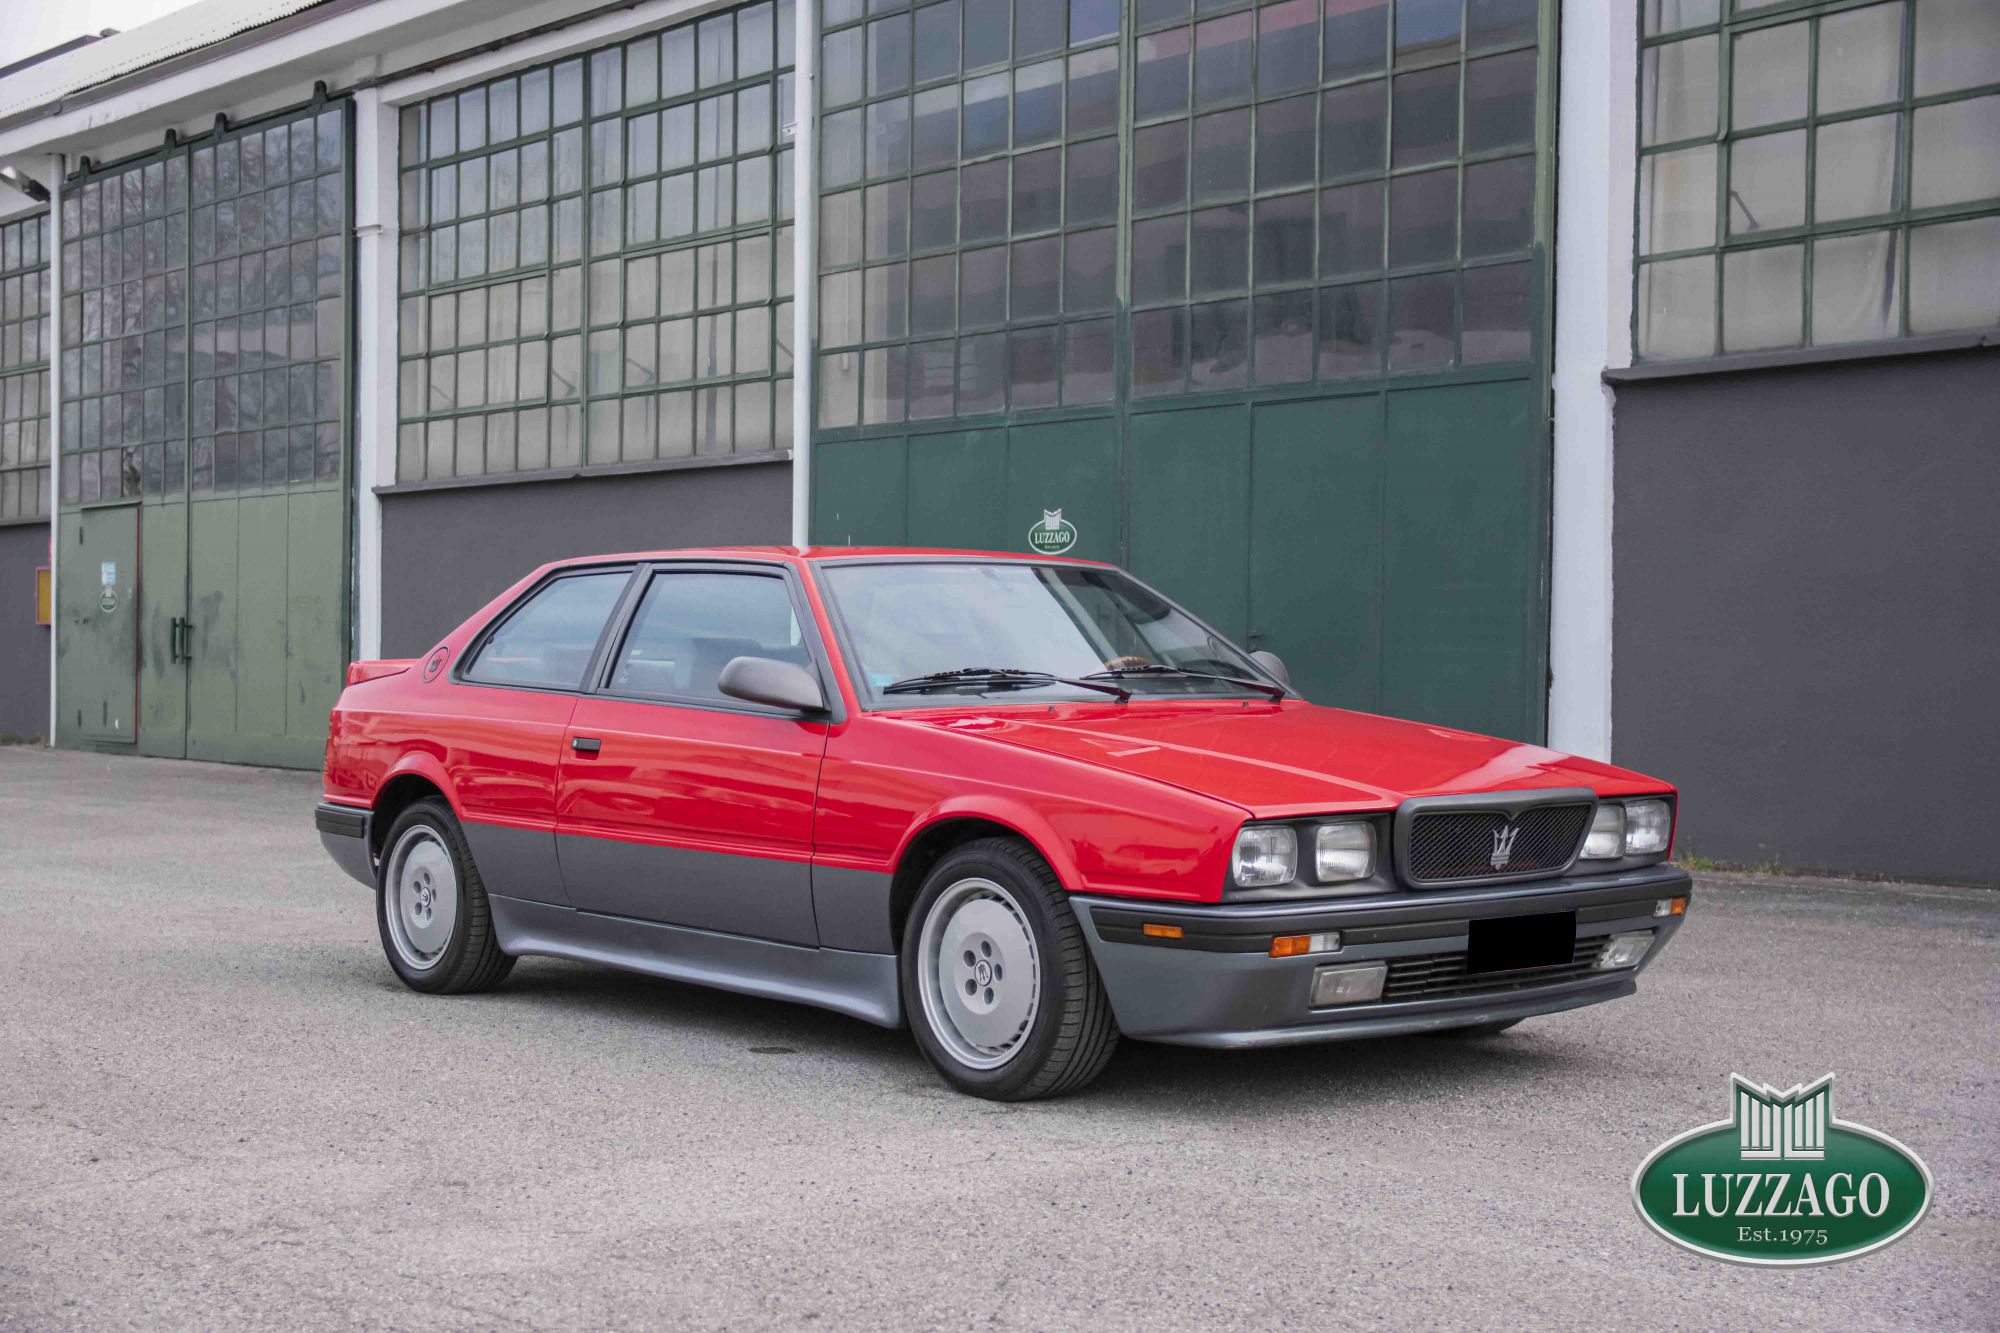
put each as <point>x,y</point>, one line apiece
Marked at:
<point>1256,296</point>
<point>205,392</point>
<point>97,644</point>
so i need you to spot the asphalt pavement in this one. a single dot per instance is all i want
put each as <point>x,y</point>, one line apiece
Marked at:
<point>219,1109</point>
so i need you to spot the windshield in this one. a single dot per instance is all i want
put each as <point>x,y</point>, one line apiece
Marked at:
<point>908,620</point>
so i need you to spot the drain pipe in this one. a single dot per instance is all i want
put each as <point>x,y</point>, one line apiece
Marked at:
<point>805,249</point>
<point>57,166</point>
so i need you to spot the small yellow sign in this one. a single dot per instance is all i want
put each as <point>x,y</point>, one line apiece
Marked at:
<point>44,597</point>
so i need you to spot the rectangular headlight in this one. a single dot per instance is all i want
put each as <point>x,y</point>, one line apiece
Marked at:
<point>1606,840</point>
<point>1265,855</point>
<point>1648,826</point>
<point>1343,851</point>
<point>1356,983</point>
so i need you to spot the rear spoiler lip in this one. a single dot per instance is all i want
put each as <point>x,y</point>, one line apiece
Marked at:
<point>357,672</point>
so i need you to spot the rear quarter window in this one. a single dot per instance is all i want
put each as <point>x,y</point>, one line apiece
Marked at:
<point>546,641</point>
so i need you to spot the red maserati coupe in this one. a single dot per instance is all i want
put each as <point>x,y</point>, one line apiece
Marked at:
<point>1023,804</point>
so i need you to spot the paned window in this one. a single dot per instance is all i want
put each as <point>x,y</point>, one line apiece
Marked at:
<point>24,368</point>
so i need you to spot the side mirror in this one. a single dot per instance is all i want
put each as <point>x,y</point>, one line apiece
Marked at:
<point>764,680</point>
<point>1273,665</point>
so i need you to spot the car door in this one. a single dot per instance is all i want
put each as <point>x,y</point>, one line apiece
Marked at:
<point>676,803</point>
<point>501,719</point>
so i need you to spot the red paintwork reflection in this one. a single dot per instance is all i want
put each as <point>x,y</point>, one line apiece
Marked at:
<point>1142,798</point>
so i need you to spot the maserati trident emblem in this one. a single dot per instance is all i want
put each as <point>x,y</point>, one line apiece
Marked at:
<point>1503,845</point>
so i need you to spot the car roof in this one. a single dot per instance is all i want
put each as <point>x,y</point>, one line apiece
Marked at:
<point>802,554</point>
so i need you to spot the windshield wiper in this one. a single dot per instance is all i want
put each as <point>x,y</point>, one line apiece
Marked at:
<point>1011,676</point>
<point>1160,669</point>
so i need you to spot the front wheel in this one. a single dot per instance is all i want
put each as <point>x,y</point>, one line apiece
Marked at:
<point>997,980</point>
<point>431,908</point>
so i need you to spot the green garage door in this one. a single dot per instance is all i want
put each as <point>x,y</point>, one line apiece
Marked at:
<point>205,334</point>
<point>1256,296</point>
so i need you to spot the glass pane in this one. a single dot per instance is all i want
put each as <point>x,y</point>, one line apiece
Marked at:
<point>1038,191</point>
<point>1161,81</point>
<point>1285,239</point>
<point>1423,218</point>
<point>1493,22</point>
<point>1420,322</point>
<point>1425,117</point>
<point>1350,331</point>
<point>1677,200</point>
<point>1038,25</point>
<point>1860,58</point>
<point>1091,19</point>
<point>1093,91</point>
<point>982,201</point>
<point>1767,183</point>
<point>1090,271</point>
<point>1856,295</point>
<point>986,33</point>
<point>1222,54</point>
<point>1356,37</point>
<point>1678,91</point>
<point>885,304</point>
<point>937,42</point>
<point>1033,376</point>
<point>1087,362</point>
<point>1091,185</point>
<point>1664,16</point>
<point>985,114</point>
<point>935,133</point>
<point>1499,206</point>
<point>1768,78</point>
<point>1282,337</point>
<point>1500,102</point>
<point>1957,152</point>
<point>982,287</point>
<point>1761,298</point>
<point>1426,29</point>
<point>1220,161</point>
<point>1285,143</point>
<point>888,55</point>
<point>888,151</point>
<point>1159,351</point>
<point>1038,102</point>
<point>1958,45</point>
<point>1287,47</point>
<point>931,372</point>
<point>982,373</point>
<point>1350,229</point>
<point>549,640</point>
<point>934,211</point>
<point>934,295</point>
<point>1354,123</point>
<point>840,235</point>
<point>1954,283</point>
<point>1219,250</point>
<point>1497,312</point>
<point>1218,345</point>
<point>1036,281</point>
<point>1159,166</point>
<point>1855,168</point>
<point>842,69</point>
<point>1159,260</point>
<point>1677,308</point>
<point>888,220</point>
<point>882,385</point>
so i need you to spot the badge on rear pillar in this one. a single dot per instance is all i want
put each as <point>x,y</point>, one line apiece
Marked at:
<point>1782,1182</point>
<point>1053,535</point>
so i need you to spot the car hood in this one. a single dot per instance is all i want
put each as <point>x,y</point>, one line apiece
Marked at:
<point>1285,758</point>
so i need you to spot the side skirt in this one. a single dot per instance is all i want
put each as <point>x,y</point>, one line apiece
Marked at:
<point>862,985</point>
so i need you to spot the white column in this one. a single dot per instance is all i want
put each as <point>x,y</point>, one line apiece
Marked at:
<point>375,369</point>
<point>54,350</point>
<point>805,248</point>
<point>1594,181</point>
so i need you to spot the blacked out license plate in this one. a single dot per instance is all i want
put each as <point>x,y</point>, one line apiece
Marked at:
<point>1510,943</point>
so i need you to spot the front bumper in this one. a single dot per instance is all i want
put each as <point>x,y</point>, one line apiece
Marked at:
<point>1217,985</point>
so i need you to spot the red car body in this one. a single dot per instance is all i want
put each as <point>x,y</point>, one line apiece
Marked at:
<point>1132,804</point>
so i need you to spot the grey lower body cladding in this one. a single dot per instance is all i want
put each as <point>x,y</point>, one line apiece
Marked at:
<point>1217,985</point>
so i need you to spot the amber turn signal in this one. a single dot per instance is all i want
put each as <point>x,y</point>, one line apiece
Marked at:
<point>1160,932</point>
<point>1670,907</point>
<point>1290,946</point>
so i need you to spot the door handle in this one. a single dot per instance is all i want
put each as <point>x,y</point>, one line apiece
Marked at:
<point>177,640</point>
<point>585,744</point>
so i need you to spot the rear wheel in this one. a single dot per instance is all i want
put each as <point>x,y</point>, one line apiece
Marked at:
<point>997,980</point>
<point>431,908</point>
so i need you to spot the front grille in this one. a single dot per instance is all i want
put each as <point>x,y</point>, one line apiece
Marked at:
<point>1448,845</point>
<point>1437,975</point>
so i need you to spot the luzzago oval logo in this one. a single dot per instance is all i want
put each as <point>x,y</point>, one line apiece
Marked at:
<point>1782,1182</point>
<point>1053,535</point>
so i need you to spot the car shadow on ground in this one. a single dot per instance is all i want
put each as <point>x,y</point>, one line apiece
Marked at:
<point>1142,1076</point>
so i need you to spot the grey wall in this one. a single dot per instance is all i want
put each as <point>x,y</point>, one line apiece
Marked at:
<point>24,645</point>
<point>1807,613</point>
<point>446,552</point>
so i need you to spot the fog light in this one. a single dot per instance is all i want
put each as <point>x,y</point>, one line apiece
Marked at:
<point>1265,855</point>
<point>1290,946</point>
<point>1356,983</point>
<point>1607,833</point>
<point>1624,950</point>
<point>1343,851</point>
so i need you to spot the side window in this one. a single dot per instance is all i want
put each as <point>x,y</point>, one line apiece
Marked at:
<point>547,640</point>
<point>689,626</point>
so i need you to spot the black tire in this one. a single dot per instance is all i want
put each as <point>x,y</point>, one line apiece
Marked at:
<point>470,959</point>
<point>1475,1031</point>
<point>1072,1034</point>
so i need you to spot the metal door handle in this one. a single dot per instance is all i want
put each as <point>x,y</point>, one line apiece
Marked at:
<point>177,640</point>
<point>585,744</point>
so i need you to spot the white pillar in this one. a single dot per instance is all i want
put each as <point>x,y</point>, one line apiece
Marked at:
<point>1595,158</point>
<point>376,237</point>
<point>54,350</point>
<point>805,249</point>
